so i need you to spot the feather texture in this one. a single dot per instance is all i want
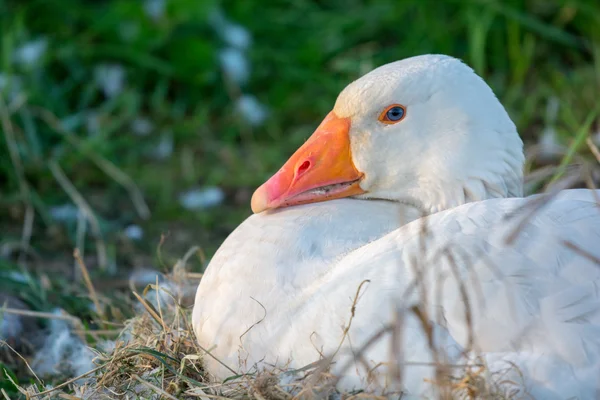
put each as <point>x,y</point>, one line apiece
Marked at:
<point>281,288</point>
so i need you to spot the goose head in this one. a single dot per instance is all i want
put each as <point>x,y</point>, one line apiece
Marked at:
<point>425,131</point>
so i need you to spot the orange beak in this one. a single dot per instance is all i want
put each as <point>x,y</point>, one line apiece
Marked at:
<point>320,170</point>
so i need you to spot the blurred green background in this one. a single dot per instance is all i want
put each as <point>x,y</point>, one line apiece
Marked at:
<point>125,121</point>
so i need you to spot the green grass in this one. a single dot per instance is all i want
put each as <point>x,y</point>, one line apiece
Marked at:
<point>60,130</point>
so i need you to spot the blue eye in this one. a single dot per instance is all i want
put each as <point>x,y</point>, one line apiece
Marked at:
<point>392,114</point>
<point>395,113</point>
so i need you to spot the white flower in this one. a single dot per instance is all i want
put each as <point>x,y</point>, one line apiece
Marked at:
<point>155,9</point>
<point>236,36</point>
<point>142,126</point>
<point>200,198</point>
<point>31,52</point>
<point>18,277</point>
<point>235,64</point>
<point>64,213</point>
<point>252,110</point>
<point>134,232</point>
<point>110,78</point>
<point>165,146</point>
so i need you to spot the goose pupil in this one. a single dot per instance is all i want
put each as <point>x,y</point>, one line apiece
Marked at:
<point>395,113</point>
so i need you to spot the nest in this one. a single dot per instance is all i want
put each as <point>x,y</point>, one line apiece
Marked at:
<point>156,356</point>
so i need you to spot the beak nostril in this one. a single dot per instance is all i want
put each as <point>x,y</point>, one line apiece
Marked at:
<point>303,168</point>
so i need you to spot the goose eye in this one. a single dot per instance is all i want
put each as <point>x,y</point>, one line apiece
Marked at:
<point>393,114</point>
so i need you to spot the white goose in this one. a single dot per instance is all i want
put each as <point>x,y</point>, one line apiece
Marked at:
<point>422,133</point>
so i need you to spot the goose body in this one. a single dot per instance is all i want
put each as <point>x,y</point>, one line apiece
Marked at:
<point>390,225</point>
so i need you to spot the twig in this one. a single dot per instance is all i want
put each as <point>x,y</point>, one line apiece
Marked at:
<point>352,313</point>
<point>78,199</point>
<point>15,384</point>
<point>540,174</point>
<point>97,332</point>
<point>160,313</point>
<point>88,284</point>
<point>39,314</point>
<point>536,204</point>
<point>581,251</point>
<point>2,342</point>
<point>371,341</point>
<point>4,394</point>
<point>217,359</point>
<point>396,347</point>
<point>163,239</point>
<point>80,241</point>
<point>257,322</point>
<point>593,148</point>
<point>150,309</point>
<point>180,265</point>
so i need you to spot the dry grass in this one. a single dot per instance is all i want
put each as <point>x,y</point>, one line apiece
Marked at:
<point>159,358</point>
<point>156,356</point>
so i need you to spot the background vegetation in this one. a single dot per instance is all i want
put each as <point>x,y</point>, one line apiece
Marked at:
<point>128,124</point>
